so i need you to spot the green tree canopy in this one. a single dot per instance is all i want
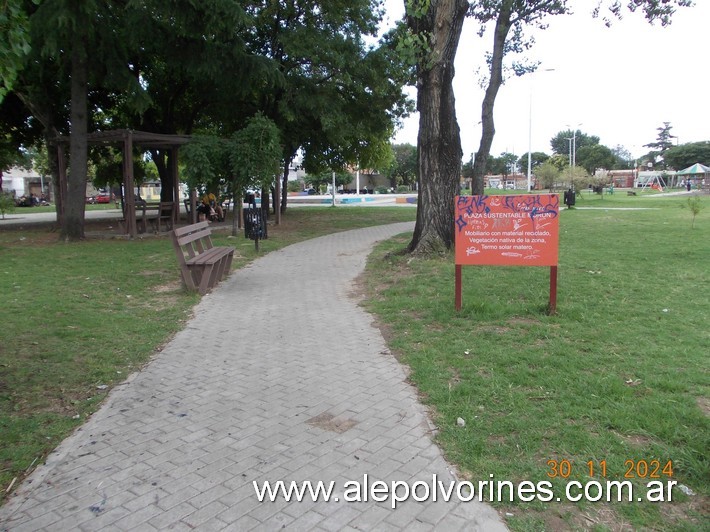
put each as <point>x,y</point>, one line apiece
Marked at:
<point>14,41</point>
<point>341,97</point>
<point>205,163</point>
<point>547,175</point>
<point>595,157</point>
<point>624,159</point>
<point>256,153</point>
<point>685,155</point>
<point>536,159</point>
<point>560,143</point>
<point>664,140</point>
<point>403,170</point>
<point>324,179</point>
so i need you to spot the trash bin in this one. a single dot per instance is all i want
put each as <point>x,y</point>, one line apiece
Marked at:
<point>569,198</point>
<point>254,224</point>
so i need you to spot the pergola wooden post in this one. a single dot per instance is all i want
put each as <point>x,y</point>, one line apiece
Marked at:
<point>129,197</point>
<point>128,138</point>
<point>173,161</point>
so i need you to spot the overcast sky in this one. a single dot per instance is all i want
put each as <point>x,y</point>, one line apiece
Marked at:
<point>620,83</point>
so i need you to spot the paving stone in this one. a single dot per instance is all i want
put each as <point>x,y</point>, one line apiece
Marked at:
<point>297,385</point>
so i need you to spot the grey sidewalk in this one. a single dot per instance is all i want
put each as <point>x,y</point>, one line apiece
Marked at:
<point>279,376</point>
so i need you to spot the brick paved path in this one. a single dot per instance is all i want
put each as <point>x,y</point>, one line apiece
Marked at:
<point>279,376</point>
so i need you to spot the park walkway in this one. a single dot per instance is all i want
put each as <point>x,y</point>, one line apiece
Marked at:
<point>279,376</point>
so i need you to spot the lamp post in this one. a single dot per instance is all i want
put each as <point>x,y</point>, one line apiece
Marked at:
<point>573,160</point>
<point>530,132</point>
<point>333,189</point>
<point>569,140</point>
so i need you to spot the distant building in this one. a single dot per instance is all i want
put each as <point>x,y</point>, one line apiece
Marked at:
<point>23,182</point>
<point>509,182</point>
<point>622,178</point>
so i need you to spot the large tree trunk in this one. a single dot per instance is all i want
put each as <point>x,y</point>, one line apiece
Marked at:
<point>499,37</point>
<point>73,223</point>
<point>289,156</point>
<point>162,161</point>
<point>439,142</point>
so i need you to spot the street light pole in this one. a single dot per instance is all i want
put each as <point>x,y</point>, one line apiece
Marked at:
<point>569,140</point>
<point>573,160</point>
<point>574,148</point>
<point>530,143</point>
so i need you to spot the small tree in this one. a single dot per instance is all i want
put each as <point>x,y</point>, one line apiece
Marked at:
<point>255,157</point>
<point>695,205</point>
<point>403,169</point>
<point>577,178</point>
<point>7,203</point>
<point>547,174</point>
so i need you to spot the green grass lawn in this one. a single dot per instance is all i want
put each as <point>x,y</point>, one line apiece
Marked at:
<point>79,318</point>
<point>617,377</point>
<point>619,374</point>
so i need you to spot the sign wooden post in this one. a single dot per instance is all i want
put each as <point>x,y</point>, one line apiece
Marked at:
<point>507,230</point>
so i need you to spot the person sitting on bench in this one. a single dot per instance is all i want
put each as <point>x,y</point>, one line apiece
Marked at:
<point>209,209</point>
<point>205,212</point>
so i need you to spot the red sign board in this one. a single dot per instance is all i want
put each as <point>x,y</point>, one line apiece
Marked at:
<point>507,230</point>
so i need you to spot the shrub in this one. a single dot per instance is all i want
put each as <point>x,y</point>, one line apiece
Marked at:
<point>295,186</point>
<point>7,203</point>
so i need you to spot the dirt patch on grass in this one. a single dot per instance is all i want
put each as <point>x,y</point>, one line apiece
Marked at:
<point>496,440</point>
<point>517,320</point>
<point>694,511</point>
<point>173,286</point>
<point>568,516</point>
<point>704,405</point>
<point>455,378</point>
<point>601,517</point>
<point>492,329</point>
<point>635,440</point>
<point>148,273</point>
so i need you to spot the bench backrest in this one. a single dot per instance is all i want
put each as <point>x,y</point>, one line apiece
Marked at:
<point>191,240</point>
<point>166,209</point>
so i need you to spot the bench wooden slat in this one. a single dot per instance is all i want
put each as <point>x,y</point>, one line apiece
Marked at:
<point>160,213</point>
<point>208,256</point>
<point>202,265</point>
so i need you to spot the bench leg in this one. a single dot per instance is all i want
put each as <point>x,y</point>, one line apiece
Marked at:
<point>208,280</point>
<point>189,278</point>
<point>227,265</point>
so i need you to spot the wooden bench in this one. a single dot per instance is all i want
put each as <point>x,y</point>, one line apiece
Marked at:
<point>159,213</point>
<point>202,264</point>
<point>156,213</point>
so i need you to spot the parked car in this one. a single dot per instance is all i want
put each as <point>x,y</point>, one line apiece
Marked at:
<point>103,197</point>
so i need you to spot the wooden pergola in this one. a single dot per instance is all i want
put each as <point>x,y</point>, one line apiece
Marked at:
<point>128,138</point>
